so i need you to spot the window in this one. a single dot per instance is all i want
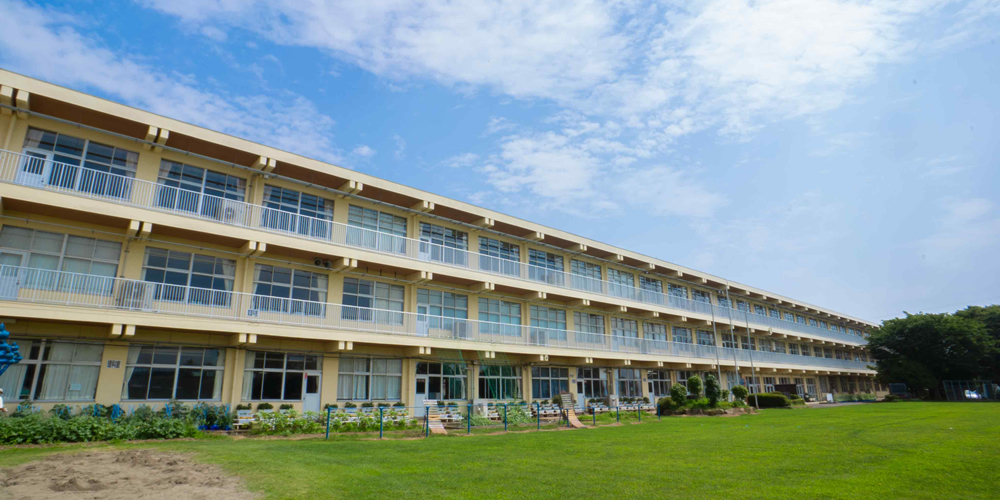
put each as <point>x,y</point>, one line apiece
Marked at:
<point>445,244</point>
<point>53,371</point>
<point>773,313</point>
<point>445,381</point>
<point>591,383</point>
<point>765,345</point>
<point>589,327</point>
<point>499,382</point>
<point>813,323</point>
<point>682,335</point>
<point>793,349</point>
<point>290,291</point>
<point>768,384</point>
<point>501,317</point>
<point>827,353</point>
<point>95,260</point>
<point>677,290</point>
<point>360,296</point>
<point>547,324</point>
<point>547,382</point>
<point>723,302</point>
<point>288,205</point>
<point>170,372</point>
<point>499,257</point>
<point>442,308</point>
<point>79,164</point>
<point>742,306</point>
<point>620,283</point>
<point>545,266</point>
<point>659,383</point>
<point>706,337</point>
<point>181,187</point>
<point>822,324</point>
<point>375,379</point>
<point>379,231</point>
<point>728,341</point>
<point>624,328</point>
<point>655,331</point>
<point>779,346</point>
<point>276,376</point>
<point>838,354</point>
<point>759,310</point>
<point>789,317</point>
<point>800,319</point>
<point>586,276</point>
<point>210,278</point>
<point>683,376</point>
<point>629,383</point>
<point>701,296</point>
<point>652,290</point>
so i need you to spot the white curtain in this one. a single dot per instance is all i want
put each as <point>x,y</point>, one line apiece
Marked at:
<point>12,380</point>
<point>247,376</point>
<point>82,382</point>
<point>54,382</point>
<point>133,356</point>
<point>345,385</point>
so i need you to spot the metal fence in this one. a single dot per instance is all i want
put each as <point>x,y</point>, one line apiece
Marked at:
<point>971,390</point>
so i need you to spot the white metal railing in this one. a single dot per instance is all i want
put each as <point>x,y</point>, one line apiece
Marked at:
<point>39,173</point>
<point>24,284</point>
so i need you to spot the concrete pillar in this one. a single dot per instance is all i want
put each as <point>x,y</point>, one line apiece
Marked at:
<point>111,378</point>
<point>526,393</point>
<point>328,390</point>
<point>235,364</point>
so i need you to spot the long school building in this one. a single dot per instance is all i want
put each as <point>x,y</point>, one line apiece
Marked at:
<point>145,259</point>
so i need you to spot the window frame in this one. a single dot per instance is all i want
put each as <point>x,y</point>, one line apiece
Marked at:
<point>36,368</point>
<point>176,366</point>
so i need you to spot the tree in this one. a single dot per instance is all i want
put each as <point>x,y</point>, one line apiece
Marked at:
<point>678,395</point>
<point>740,393</point>
<point>921,350</point>
<point>990,318</point>
<point>712,390</point>
<point>694,386</point>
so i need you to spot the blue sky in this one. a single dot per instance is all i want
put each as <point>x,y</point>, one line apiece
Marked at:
<point>842,153</point>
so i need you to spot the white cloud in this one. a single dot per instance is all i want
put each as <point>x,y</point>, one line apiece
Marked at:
<point>498,124</point>
<point>47,45</point>
<point>462,161</point>
<point>364,151</point>
<point>400,152</point>
<point>214,33</point>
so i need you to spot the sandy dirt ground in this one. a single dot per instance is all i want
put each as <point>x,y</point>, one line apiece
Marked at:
<point>119,475</point>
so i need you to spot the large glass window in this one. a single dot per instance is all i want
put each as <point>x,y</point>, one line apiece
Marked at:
<point>623,331</point>
<point>728,341</point>
<point>677,291</point>
<point>620,283</point>
<point>499,257</point>
<point>591,382</point>
<point>652,290</point>
<point>683,376</point>
<point>629,383</point>
<point>789,316</point>
<point>701,296</point>
<point>291,291</point>
<point>276,376</point>
<point>210,278</point>
<point>723,302</point>
<point>361,296</point>
<point>500,317</point>
<point>445,381</point>
<point>655,331</point>
<point>706,337</point>
<point>71,163</point>
<point>544,266</point>
<point>659,383</point>
<point>759,310</point>
<point>446,245</point>
<point>53,371</point>
<point>376,379</point>
<point>547,324</point>
<point>297,212</point>
<point>499,382</point>
<point>547,382</point>
<point>586,275</point>
<point>800,319</point>
<point>441,309</point>
<point>94,260</point>
<point>376,230</point>
<point>589,327</point>
<point>682,335</point>
<point>773,313</point>
<point>171,372</point>
<point>205,192</point>
<point>793,349</point>
<point>813,323</point>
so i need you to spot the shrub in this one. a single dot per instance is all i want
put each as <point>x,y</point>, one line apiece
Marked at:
<point>770,400</point>
<point>645,400</point>
<point>740,393</point>
<point>61,411</point>
<point>286,406</point>
<point>330,406</point>
<point>694,386</point>
<point>350,405</point>
<point>397,404</point>
<point>369,404</point>
<point>265,406</point>
<point>37,428</point>
<point>664,405</point>
<point>724,395</point>
<point>712,390</point>
<point>890,398</point>
<point>557,400</point>
<point>249,407</point>
<point>678,395</point>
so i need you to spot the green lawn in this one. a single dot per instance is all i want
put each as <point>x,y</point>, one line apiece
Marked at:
<point>891,451</point>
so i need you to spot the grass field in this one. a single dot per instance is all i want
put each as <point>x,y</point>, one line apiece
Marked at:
<point>888,451</point>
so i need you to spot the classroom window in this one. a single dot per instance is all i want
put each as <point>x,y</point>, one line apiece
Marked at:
<point>706,337</point>
<point>445,381</point>
<point>682,335</point>
<point>291,291</point>
<point>171,372</point>
<point>655,331</point>
<point>204,192</point>
<point>368,300</point>
<point>629,383</point>
<point>547,381</point>
<point>499,382</point>
<point>297,212</point>
<point>53,371</point>
<point>499,257</point>
<point>701,296</point>
<point>72,163</point>
<point>591,383</point>
<point>590,327</point>
<point>375,379</point>
<point>189,277</point>
<point>500,317</point>
<point>547,324</point>
<point>276,376</point>
<point>659,383</point>
<point>544,266</point>
<point>443,309</point>
<point>443,244</point>
<point>92,262</point>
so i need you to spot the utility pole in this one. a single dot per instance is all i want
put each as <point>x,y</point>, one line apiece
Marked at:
<point>750,343</point>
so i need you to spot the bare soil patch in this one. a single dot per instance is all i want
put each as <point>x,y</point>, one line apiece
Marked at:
<point>120,475</point>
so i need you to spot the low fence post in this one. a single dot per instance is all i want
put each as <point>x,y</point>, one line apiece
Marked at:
<point>468,420</point>
<point>538,417</point>
<point>381,419</point>
<point>328,410</point>
<point>639,411</point>
<point>594,414</point>
<point>658,415</point>
<point>505,417</point>
<point>618,414</point>
<point>427,423</point>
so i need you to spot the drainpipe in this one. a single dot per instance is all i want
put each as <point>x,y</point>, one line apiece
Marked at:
<point>753,371</point>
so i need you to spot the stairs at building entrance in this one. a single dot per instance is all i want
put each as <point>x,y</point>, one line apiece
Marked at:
<point>570,409</point>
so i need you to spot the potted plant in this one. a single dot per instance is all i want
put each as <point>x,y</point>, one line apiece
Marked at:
<point>329,406</point>
<point>350,407</point>
<point>286,406</point>
<point>398,404</point>
<point>265,406</point>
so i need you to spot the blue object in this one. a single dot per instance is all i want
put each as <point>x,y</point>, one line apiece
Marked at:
<point>10,354</point>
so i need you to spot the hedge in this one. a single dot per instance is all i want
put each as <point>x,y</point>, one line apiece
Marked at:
<point>37,428</point>
<point>769,400</point>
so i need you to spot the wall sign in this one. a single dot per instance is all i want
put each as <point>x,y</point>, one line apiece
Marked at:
<point>114,363</point>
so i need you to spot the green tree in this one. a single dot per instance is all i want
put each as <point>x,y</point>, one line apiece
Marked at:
<point>989,316</point>
<point>740,393</point>
<point>712,390</point>
<point>694,386</point>
<point>678,395</point>
<point>921,350</point>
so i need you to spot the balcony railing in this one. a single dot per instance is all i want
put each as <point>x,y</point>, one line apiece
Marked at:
<point>54,176</point>
<point>24,284</point>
